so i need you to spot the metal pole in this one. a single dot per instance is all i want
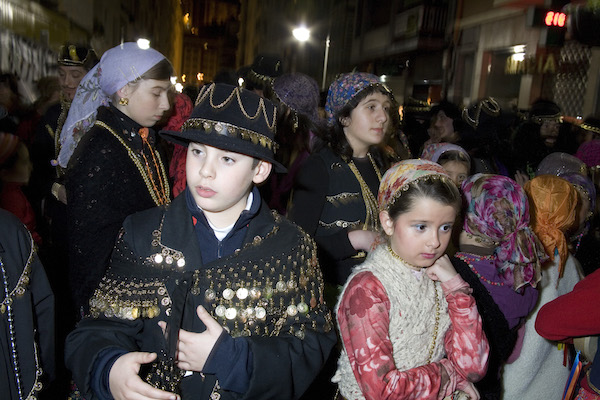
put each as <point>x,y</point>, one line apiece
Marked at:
<point>325,62</point>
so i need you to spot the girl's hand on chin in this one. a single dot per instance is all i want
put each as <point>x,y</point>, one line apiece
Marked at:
<point>442,269</point>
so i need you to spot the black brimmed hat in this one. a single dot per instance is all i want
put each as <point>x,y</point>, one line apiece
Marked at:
<point>264,69</point>
<point>545,111</point>
<point>591,124</point>
<point>233,119</point>
<point>71,55</point>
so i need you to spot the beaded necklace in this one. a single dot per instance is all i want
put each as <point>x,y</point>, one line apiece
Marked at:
<point>7,308</point>
<point>437,303</point>
<point>470,258</point>
<point>160,197</point>
<point>372,219</point>
<point>402,260</point>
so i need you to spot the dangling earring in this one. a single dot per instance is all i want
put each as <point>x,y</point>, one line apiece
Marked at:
<point>123,101</point>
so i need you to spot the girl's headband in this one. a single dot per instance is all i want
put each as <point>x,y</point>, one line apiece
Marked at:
<point>398,178</point>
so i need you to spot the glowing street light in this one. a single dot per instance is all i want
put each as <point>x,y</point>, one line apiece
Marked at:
<point>143,43</point>
<point>302,34</point>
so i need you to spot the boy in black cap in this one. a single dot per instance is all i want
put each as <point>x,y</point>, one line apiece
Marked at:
<point>213,296</point>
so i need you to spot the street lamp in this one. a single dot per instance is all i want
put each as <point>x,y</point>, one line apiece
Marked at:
<point>325,62</point>
<point>302,34</point>
<point>143,43</point>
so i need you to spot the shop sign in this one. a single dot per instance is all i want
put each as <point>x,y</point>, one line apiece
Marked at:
<point>536,65</point>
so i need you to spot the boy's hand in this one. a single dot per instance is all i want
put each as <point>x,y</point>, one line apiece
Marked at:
<point>193,349</point>
<point>125,383</point>
<point>442,269</point>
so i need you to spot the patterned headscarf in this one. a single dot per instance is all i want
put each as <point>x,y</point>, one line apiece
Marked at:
<point>118,66</point>
<point>299,92</point>
<point>434,151</point>
<point>400,175</point>
<point>553,205</point>
<point>561,163</point>
<point>585,187</point>
<point>345,88</point>
<point>498,211</point>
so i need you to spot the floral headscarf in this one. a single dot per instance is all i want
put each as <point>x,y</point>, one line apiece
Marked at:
<point>434,151</point>
<point>118,66</point>
<point>497,210</point>
<point>345,88</point>
<point>400,175</point>
<point>553,205</point>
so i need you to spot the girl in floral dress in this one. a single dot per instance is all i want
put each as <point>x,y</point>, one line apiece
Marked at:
<point>409,325</point>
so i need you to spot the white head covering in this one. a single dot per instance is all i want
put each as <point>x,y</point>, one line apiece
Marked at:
<point>118,66</point>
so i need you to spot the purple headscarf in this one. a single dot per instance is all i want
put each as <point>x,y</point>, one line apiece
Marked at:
<point>299,92</point>
<point>558,164</point>
<point>585,187</point>
<point>498,211</point>
<point>118,66</point>
<point>345,88</point>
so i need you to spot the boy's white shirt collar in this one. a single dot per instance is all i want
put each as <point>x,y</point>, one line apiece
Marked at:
<point>220,233</point>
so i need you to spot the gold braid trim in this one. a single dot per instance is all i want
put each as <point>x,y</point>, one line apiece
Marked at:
<point>342,198</point>
<point>547,118</point>
<point>235,93</point>
<point>590,128</point>
<point>159,198</point>
<point>229,130</point>
<point>371,208</point>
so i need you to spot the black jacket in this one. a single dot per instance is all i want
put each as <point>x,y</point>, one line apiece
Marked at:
<point>103,187</point>
<point>31,331</point>
<point>277,259</point>
<point>327,202</point>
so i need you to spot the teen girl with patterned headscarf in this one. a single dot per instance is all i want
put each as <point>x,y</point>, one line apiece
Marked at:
<point>409,325</point>
<point>334,195</point>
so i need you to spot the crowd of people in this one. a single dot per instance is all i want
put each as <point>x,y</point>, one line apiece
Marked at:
<point>255,242</point>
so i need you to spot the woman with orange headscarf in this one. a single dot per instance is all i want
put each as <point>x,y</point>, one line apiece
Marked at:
<point>539,373</point>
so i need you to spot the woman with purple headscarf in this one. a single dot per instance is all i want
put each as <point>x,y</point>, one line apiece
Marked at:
<point>113,168</point>
<point>500,257</point>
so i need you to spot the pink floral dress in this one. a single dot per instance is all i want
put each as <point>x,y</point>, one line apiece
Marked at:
<point>364,320</point>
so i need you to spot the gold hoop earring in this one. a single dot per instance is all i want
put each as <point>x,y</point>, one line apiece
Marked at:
<point>123,101</point>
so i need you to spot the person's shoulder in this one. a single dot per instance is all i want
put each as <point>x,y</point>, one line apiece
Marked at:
<point>13,234</point>
<point>10,223</point>
<point>144,218</point>
<point>52,113</point>
<point>317,163</point>
<point>286,232</point>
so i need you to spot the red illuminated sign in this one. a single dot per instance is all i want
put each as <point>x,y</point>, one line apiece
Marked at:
<point>555,18</point>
